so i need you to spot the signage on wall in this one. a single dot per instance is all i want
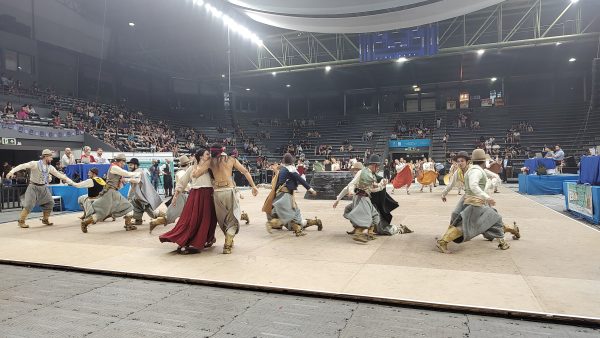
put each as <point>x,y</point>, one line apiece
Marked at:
<point>9,141</point>
<point>416,143</point>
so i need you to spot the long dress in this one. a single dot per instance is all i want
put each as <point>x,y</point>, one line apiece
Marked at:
<point>428,175</point>
<point>198,221</point>
<point>404,177</point>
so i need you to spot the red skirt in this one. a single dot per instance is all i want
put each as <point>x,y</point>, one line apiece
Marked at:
<point>198,221</point>
<point>403,178</point>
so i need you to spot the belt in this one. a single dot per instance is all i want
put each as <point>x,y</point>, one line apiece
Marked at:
<point>360,192</point>
<point>39,185</point>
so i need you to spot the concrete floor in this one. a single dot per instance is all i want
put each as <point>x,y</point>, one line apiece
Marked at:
<point>552,269</point>
<point>50,303</point>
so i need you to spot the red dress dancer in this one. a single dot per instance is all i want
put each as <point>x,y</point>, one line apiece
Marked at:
<point>403,178</point>
<point>196,226</point>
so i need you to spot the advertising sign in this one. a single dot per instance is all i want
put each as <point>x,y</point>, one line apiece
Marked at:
<point>580,199</point>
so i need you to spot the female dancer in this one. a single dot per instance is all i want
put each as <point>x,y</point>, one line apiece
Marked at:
<point>195,229</point>
<point>428,174</point>
<point>404,176</point>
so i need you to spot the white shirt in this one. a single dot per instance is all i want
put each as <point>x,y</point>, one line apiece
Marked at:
<point>36,175</point>
<point>474,176</point>
<point>204,181</point>
<point>179,180</point>
<point>428,166</point>
<point>100,160</point>
<point>67,160</point>
<point>84,184</point>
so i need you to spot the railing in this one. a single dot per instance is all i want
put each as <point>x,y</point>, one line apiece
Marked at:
<point>10,195</point>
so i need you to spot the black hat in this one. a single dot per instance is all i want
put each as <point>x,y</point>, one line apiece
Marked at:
<point>134,161</point>
<point>462,154</point>
<point>94,170</point>
<point>374,159</point>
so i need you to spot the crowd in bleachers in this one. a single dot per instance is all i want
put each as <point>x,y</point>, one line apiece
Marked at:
<point>403,129</point>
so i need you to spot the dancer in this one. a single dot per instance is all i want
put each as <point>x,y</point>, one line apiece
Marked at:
<point>428,175</point>
<point>474,214</point>
<point>196,227</point>
<point>492,169</point>
<point>38,192</point>
<point>285,211</point>
<point>268,205</point>
<point>94,185</point>
<point>404,176</point>
<point>457,173</point>
<point>110,202</point>
<point>361,213</point>
<point>384,203</point>
<point>176,203</point>
<point>225,195</point>
<point>142,195</point>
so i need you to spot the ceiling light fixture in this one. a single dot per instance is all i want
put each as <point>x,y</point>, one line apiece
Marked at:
<point>401,60</point>
<point>132,24</point>
<point>494,79</point>
<point>274,73</point>
<point>481,52</point>
<point>327,68</point>
<point>231,23</point>
<point>248,89</point>
<point>572,59</point>
<point>288,85</point>
<point>559,43</point>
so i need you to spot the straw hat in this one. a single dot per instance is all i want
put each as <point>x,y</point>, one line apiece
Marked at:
<point>357,166</point>
<point>478,155</point>
<point>120,157</point>
<point>184,160</point>
<point>47,152</point>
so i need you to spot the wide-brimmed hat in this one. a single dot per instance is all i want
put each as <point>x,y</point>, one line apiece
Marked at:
<point>120,157</point>
<point>184,160</point>
<point>462,154</point>
<point>47,152</point>
<point>374,159</point>
<point>94,170</point>
<point>478,155</point>
<point>134,161</point>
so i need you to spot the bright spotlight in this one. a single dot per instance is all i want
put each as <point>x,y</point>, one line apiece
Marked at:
<point>559,43</point>
<point>417,89</point>
<point>327,68</point>
<point>574,1</point>
<point>248,89</point>
<point>494,79</point>
<point>274,73</point>
<point>415,86</point>
<point>231,24</point>
<point>481,52</point>
<point>288,85</point>
<point>572,59</point>
<point>402,60</point>
<point>132,24</point>
<point>223,75</point>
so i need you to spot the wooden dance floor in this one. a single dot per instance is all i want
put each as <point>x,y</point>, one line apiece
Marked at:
<point>554,268</point>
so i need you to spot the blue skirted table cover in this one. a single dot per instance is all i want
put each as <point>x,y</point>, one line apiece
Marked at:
<point>589,170</point>
<point>534,163</point>
<point>70,195</point>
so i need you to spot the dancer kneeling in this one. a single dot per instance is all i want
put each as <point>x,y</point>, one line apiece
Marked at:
<point>196,226</point>
<point>361,213</point>
<point>175,204</point>
<point>285,211</point>
<point>474,214</point>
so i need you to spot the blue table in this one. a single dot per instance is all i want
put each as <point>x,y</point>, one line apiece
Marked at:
<point>82,170</point>
<point>544,184</point>
<point>589,170</point>
<point>70,195</point>
<point>579,205</point>
<point>534,163</point>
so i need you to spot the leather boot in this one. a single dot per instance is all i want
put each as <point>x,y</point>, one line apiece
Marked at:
<point>274,223</point>
<point>245,217</point>
<point>228,244</point>
<point>359,235</point>
<point>371,233</point>
<point>297,228</point>
<point>46,218</point>
<point>502,245</point>
<point>405,230</point>
<point>22,218</point>
<point>85,223</point>
<point>351,232</point>
<point>156,222</point>
<point>514,230</point>
<point>129,224</point>
<point>316,221</point>
<point>451,234</point>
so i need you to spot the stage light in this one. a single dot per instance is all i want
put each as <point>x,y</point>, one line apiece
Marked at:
<point>572,59</point>
<point>132,24</point>
<point>288,85</point>
<point>327,68</point>
<point>231,24</point>
<point>494,79</point>
<point>415,86</point>
<point>402,60</point>
<point>417,89</point>
<point>481,52</point>
<point>248,89</point>
<point>574,1</point>
<point>274,73</point>
<point>559,43</point>
<point>223,75</point>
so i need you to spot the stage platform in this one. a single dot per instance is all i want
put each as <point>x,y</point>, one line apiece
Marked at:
<point>553,269</point>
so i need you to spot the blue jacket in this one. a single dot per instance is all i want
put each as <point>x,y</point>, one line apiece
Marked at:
<point>291,180</point>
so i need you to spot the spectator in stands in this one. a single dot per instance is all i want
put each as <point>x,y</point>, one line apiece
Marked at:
<point>32,113</point>
<point>55,117</point>
<point>99,158</point>
<point>549,152</point>
<point>23,113</point>
<point>4,81</point>
<point>86,156</point>
<point>8,109</point>
<point>559,155</point>
<point>67,159</point>
<point>6,168</point>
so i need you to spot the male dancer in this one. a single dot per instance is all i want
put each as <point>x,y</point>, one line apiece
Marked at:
<point>384,204</point>
<point>474,214</point>
<point>142,195</point>
<point>110,202</point>
<point>225,195</point>
<point>177,202</point>
<point>94,185</point>
<point>285,211</point>
<point>37,192</point>
<point>361,212</point>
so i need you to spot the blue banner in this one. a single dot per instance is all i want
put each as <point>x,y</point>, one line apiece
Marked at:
<point>418,143</point>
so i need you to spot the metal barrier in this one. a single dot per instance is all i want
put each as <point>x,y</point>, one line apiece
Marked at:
<point>10,196</point>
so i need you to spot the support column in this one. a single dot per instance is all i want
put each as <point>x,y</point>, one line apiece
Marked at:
<point>288,107</point>
<point>345,104</point>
